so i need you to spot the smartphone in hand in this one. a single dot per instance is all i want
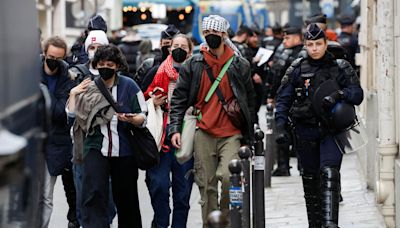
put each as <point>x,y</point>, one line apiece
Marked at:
<point>158,91</point>
<point>130,114</point>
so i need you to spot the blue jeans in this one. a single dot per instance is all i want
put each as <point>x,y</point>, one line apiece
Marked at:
<point>78,173</point>
<point>158,183</point>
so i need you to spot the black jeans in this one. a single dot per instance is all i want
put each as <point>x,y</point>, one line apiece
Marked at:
<point>70,193</point>
<point>95,190</point>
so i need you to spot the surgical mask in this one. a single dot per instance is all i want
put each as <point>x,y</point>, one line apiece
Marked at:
<point>179,55</point>
<point>213,41</point>
<point>91,54</point>
<point>165,51</point>
<point>52,64</point>
<point>106,73</point>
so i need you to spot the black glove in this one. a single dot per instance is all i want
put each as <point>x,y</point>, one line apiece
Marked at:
<point>282,135</point>
<point>332,99</point>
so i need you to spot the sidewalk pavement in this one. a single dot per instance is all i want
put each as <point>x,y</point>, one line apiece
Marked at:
<point>284,202</point>
<point>285,205</point>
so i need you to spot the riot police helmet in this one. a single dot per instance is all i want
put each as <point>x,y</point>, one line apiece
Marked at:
<point>342,116</point>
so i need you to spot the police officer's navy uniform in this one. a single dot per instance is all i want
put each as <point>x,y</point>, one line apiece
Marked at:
<point>319,155</point>
<point>350,43</point>
<point>347,40</point>
<point>279,68</point>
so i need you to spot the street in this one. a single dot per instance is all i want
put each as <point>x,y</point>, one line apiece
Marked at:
<point>284,202</point>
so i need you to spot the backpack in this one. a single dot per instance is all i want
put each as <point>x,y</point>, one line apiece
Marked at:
<point>78,72</point>
<point>143,70</point>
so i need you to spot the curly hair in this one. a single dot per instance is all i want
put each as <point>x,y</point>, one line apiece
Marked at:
<point>110,53</point>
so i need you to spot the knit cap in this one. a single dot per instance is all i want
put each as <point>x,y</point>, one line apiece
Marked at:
<point>215,22</point>
<point>96,37</point>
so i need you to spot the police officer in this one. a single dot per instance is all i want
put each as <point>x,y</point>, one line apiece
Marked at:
<point>293,43</point>
<point>297,98</point>
<point>240,40</point>
<point>334,47</point>
<point>347,39</point>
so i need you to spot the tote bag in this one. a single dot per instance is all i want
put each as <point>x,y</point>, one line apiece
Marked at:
<point>155,122</point>
<point>185,153</point>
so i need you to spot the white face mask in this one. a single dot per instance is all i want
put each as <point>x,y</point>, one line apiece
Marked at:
<point>91,54</point>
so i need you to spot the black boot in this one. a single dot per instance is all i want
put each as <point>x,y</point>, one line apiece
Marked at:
<point>311,185</point>
<point>330,191</point>
<point>283,161</point>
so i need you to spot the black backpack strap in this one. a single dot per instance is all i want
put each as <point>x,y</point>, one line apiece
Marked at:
<point>212,79</point>
<point>100,84</point>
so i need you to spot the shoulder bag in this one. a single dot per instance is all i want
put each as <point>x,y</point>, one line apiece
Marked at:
<point>231,107</point>
<point>145,148</point>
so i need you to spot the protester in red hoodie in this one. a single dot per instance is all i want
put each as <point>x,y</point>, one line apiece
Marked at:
<point>218,137</point>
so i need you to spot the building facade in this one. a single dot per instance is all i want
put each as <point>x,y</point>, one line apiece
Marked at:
<point>379,39</point>
<point>69,18</point>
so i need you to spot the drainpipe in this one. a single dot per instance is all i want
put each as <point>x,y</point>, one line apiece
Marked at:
<point>387,147</point>
<point>49,18</point>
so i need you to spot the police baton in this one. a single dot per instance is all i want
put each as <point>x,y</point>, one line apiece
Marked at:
<point>258,181</point>
<point>245,154</point>
<point>235,194</point>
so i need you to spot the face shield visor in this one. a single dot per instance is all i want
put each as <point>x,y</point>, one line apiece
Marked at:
<point>352,139</point>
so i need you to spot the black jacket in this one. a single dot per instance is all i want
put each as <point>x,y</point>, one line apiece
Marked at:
<point>59,146</point>
<point>130,50</point>
<point>188,84</point>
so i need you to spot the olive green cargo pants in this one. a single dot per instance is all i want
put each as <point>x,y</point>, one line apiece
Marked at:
<point>211,159</point>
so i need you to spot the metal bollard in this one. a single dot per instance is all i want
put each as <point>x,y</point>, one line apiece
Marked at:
<point>235,194</point>
<point>269,144</point>
<point>258,186</point>
<point>245,154</point>
<point>216,220</point>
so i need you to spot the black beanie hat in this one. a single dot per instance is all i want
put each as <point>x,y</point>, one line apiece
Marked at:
<point>97,23</point>
<point>314,32</point>
<point>169,32</point>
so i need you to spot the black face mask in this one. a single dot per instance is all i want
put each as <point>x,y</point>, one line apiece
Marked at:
<point>106,73</point>
<point>52,64</point>
<point>179,55</point>
<point>213,41</point>
<point>165,51</point>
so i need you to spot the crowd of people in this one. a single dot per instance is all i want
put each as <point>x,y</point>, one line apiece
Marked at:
<point>224,85</point>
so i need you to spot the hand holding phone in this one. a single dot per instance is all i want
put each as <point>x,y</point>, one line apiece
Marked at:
<point>130,114</point>
<point>157,91</point>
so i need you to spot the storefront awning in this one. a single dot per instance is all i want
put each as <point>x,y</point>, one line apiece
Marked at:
<point>168,3</point>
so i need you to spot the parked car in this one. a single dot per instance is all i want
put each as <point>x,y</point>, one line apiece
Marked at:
<point>150,31</point>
